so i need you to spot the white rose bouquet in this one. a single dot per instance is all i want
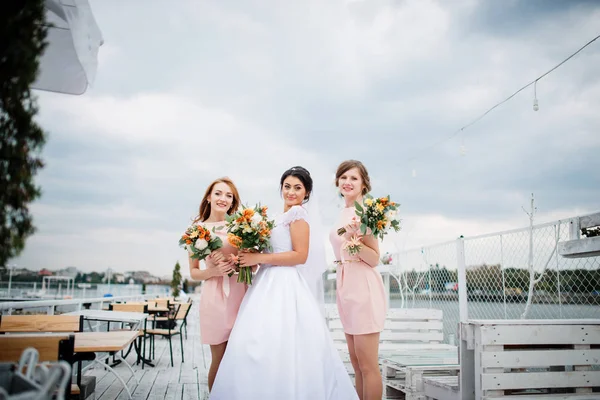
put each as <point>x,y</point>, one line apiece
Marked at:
<point>199,242</point>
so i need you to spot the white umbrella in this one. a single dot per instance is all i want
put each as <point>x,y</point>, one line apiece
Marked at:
<point>70,60</point>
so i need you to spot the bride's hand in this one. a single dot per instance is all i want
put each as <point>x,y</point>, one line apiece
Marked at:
<point>249,259</point>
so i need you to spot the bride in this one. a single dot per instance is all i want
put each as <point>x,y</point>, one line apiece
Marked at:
<point>280,347</point>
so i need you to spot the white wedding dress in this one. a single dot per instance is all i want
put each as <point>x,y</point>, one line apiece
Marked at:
<point>280,347</point>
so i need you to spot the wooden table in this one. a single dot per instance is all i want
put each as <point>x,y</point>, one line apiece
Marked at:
<point>101,342</point>
<point>110,342</point>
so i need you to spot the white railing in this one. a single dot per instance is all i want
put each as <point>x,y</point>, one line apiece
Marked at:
<point>517,273</point>
<point>51,306</point>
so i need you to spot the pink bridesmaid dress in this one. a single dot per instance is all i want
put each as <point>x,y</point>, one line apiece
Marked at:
<point>360,293</point>
<point>218,309</point>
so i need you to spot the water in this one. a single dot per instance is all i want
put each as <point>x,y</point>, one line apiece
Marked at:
<point>492,310</point>
<point>21,290</point>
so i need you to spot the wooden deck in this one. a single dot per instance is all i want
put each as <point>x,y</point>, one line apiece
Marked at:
<point>186,380</point>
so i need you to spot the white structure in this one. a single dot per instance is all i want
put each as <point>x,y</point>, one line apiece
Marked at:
<point>69,289</point>
<point>70,61</point>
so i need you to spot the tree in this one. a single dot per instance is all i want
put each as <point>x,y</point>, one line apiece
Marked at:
<point>23,32</point>
<point>176,281</point>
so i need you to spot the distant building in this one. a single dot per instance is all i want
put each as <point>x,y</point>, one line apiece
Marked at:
<point>20,271</point>
<point>69,271</point>
<point>142,276</point>
<point>45,272</point>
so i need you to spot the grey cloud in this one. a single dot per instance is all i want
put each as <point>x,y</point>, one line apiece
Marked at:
<point>321,87</point>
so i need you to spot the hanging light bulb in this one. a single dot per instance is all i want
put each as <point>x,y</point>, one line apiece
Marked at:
<point>414,173</point>
<point>463,150</point>
<point>535,100</point>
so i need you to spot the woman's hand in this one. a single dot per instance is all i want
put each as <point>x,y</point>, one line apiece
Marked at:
<point>352,228</point>
<point>249,259</point>
<point>224,267</point>
<point>216,256</point>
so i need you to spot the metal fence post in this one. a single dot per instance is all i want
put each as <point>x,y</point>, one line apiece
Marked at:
<point>463,310</point>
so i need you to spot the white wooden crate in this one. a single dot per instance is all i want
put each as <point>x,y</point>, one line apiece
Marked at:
<point>404,372</point>
<point>441,387</point>
<point>531,359</point>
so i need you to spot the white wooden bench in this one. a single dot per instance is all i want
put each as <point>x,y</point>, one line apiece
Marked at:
<point>530,359</point>
<point>404,329</point>
<point>576,246</point>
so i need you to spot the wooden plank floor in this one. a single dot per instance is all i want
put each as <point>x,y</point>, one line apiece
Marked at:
<point>185,381</point>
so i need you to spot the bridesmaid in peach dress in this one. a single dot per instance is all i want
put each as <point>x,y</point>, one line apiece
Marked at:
<point>221,295</point>
<point>360,292</point>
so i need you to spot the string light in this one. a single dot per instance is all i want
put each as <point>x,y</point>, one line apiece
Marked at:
<point>535,100</point>
<point>473,122</point>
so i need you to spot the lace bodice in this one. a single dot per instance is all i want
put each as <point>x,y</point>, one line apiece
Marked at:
<point>281,241</point>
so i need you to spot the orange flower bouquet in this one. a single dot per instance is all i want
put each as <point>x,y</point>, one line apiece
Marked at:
<point>199,241</point>
<point>377,215</point>
<point>249,229</point>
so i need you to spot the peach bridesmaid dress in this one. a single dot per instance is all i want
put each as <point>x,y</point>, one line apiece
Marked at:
<point>360,294</point>
<point>219,309</point>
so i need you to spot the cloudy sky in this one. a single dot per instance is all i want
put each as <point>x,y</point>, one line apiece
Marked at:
<point>189,91</point>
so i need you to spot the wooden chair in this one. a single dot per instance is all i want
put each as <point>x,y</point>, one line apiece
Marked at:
<point>51,348</point>
<point>182,315</point>
<point>41,323</point>
<point>133,307</point>
<point>46,324</point>
<point>169,332</point>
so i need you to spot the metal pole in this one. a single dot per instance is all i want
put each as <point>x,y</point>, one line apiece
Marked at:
<point>503,275</point>
<point>463,310</point>
<point>10,273</point>
<point>560,314</point>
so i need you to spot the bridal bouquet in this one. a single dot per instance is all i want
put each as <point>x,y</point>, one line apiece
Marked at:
<point>377,215</point>
<point>199,242</point>
<point>249,229</point>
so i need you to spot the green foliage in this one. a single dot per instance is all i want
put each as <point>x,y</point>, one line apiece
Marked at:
<point>23,33</point>
<point>176,281</point>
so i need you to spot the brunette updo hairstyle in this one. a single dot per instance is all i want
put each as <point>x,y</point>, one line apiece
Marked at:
<point>346,166</point>
<point>303,175</point>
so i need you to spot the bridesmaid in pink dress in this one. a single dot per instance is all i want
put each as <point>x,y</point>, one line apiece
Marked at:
<point>221,295</point>
<point>359,288</point>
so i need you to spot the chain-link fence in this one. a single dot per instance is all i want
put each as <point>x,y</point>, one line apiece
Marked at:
<point>509,275</point>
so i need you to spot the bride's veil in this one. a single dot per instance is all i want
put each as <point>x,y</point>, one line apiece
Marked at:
<point>316,263</point>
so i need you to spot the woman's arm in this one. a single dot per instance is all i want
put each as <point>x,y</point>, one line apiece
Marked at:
<point>223,266</point>
<point>369,252</point>
<point>300,234</point>
<point>198,274</point>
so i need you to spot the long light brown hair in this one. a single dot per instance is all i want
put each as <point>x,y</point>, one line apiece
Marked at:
<point>204,211</point>
<point>346,166</point>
